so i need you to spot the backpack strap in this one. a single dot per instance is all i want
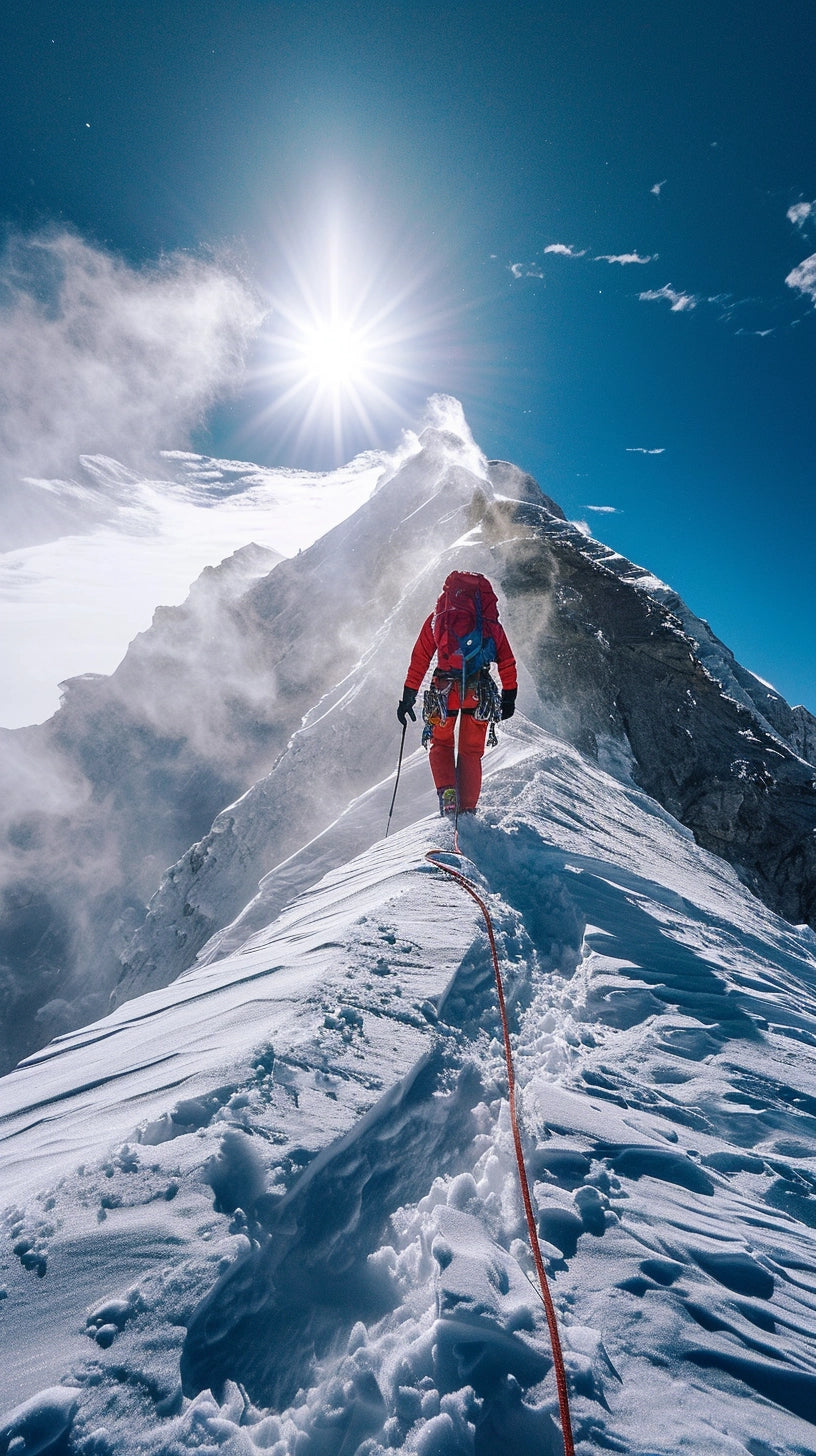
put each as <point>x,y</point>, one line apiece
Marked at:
<point>470,647</point>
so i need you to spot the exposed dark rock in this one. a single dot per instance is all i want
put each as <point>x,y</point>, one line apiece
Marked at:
<point>610,660</point>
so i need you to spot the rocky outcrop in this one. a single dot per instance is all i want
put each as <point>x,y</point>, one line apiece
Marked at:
<point>611,662</point>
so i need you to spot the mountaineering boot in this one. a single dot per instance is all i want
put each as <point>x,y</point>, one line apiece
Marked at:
<point>447,802</point>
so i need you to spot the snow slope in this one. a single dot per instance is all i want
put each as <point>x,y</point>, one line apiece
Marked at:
<point>273,1207</point>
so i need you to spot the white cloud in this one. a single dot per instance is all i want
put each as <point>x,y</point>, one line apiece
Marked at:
<point>679,302</point>
<point>803,277</point>
<point>603,510</point>
<point>658,187</point>
<point>534,270</point>
<point>526,270</point>
<point>103,358</point>
<point>642,450</point>
<point>564,250</point>
<point>625,258</point>
<point>800,212</point>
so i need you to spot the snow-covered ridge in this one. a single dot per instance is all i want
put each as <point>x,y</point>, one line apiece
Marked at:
<point>303,1231</point>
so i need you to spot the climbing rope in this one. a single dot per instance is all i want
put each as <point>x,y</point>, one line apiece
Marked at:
<point>549,1307</point>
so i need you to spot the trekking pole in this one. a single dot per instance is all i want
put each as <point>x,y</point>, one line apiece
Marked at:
<point>396,785</point>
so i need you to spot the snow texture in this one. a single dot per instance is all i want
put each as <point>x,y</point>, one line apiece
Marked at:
<point>271,1204</point>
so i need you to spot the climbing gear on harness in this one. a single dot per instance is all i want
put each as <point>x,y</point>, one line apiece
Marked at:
<point>488,707</point>
<point>434,708</point>
<point>396,781</point>
<point>435,702</point>
<point>546,1296</point>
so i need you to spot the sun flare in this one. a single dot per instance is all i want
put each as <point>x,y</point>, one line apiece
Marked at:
<point>355,333</point>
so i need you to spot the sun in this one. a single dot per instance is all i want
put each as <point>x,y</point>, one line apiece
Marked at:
<point>352,343</point>
<point>334,354</point>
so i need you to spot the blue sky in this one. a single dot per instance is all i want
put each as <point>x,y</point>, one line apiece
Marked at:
<point>482,183</point>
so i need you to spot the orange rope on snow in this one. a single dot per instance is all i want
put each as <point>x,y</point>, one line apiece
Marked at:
<point>549,1307</point>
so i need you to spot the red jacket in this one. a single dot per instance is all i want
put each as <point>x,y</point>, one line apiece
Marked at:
<point>425,647</point>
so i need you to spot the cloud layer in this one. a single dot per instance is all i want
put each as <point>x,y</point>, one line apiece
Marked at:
<point>103,358</point>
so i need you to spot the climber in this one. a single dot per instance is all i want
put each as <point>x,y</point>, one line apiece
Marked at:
<point>465,633</point>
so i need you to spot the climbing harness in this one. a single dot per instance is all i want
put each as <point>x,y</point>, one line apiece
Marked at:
<point>549,1307</point>
<point>396,781</point>
<point>435,710</point>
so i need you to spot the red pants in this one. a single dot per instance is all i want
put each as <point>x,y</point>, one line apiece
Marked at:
<point>465,771</point>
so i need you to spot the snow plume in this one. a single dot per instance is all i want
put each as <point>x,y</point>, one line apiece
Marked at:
<point>104,358</point>
<point>43,930</point>
<point>803,277</point>
<point>29,778</point>
<point>446,415</point>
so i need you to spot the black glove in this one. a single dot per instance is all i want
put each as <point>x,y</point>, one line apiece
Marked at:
<point>508,706</point>
<point>405,708</point>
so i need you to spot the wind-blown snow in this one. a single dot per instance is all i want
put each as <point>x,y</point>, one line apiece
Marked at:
<point>71,604</point>
<point>273,1206</point>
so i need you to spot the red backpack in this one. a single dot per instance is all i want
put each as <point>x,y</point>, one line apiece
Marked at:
<point>465,612</point>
